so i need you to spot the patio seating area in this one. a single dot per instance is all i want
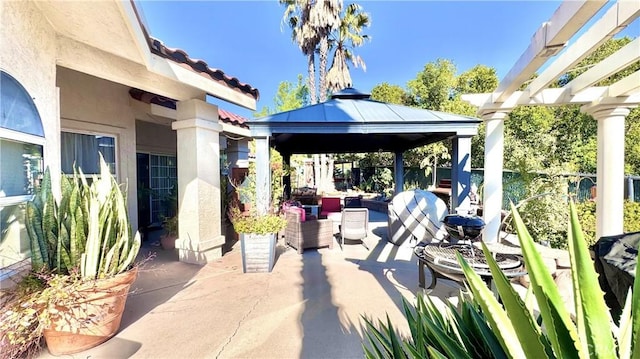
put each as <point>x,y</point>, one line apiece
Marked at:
<point>310,306</point>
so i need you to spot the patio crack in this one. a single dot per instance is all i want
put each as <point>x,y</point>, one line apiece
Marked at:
<point>242,320</point>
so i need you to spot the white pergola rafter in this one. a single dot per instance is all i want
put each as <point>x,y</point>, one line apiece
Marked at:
<point>550,38</point>
<point>607,104</point>
<point>612,22</point>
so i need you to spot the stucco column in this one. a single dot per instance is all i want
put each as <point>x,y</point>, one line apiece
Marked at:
<point>460,172</point>
<point>610,168</point>
<point>263,175</point>
<point>200,238</point>
<point>398,172</point>
<point>493,167</point>
<point>238,153</point>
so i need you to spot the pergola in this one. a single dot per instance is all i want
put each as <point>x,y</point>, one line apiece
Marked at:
<point>609,105</point>
<point>350,122</point>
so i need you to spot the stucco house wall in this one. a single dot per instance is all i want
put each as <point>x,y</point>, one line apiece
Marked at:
<point>81,64</point>
<point>29,55</point>
<point>95,106</point>
<point>155,138</point>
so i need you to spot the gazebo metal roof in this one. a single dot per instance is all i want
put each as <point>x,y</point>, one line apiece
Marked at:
<point>351,122</point>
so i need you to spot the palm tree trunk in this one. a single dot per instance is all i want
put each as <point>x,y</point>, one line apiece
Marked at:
<point>330,167</point>
<point>324,54</point>
<point>317,171</point>
<point>311,68</point>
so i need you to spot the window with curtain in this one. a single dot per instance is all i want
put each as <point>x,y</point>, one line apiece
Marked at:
<point>82,151</point>
<point>21,169</point>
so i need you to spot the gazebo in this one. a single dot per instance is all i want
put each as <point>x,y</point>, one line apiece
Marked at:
<point>609,105</point>
<point>351,122</point>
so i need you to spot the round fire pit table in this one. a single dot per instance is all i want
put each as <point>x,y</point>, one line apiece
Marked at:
<point>440,259</point>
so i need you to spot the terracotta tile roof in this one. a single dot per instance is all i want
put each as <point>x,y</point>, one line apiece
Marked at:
<point>148,97</point>
<point>232,118</point>
<point>199,66</point>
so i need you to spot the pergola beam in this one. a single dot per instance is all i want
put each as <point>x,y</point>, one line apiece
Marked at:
<point>607,67</point>
<point>547,41</point>
<point>621,92</point>
<point>626,86</point>
<point>613,21</point>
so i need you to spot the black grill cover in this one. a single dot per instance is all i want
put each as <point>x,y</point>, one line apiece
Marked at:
<point>616,258</point>
<point>471,227</point>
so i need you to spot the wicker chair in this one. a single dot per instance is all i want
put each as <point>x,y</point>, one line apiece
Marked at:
<point>313,233</point>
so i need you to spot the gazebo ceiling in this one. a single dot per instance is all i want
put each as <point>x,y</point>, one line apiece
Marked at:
<point>350,122</point>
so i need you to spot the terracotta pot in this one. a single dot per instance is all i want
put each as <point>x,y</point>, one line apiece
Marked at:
<point>103,302</point>
<point>168,241</point>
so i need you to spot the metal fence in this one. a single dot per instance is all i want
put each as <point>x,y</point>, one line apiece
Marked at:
<point>583,185</point>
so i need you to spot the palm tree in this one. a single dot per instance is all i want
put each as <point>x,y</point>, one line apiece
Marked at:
<point>347,37</point>
<point>325,17</point>
<point>297,16</point>
<point>311,22</point>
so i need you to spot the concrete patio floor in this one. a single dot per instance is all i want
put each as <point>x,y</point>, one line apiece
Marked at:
<point>309,306</point>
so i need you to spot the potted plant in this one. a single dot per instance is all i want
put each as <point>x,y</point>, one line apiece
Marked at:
<point>170,223</point>
<point>257,238</point>
<point>82,255</point>
<point>257,232</point>
<point>170,226</point>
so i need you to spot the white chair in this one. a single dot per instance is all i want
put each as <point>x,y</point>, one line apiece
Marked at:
<point>354,225</point>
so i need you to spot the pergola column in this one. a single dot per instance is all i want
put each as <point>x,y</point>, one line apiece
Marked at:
<point>493,167</point>
<point>263,175</point>
<point>398,172</point>
<point>460,172</point>
<point>198,133</point>
<point>610,168</point>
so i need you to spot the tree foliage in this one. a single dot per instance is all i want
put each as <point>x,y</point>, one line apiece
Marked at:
<point>289,96</point>
<point>433,86</point>
<point>389,93</point>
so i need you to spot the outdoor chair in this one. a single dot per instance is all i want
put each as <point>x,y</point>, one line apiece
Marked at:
<point>330,205</point>
<point>312,233</point>
<point>354,225</point>
<point>353,202</point>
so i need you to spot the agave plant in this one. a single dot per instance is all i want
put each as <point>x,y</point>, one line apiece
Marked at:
<point>484,327</point>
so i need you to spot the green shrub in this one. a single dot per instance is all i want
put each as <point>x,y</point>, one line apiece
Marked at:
<point>483,326</point>
<point>587,216</point>
<point>545,214</point>
<point>254,223</point>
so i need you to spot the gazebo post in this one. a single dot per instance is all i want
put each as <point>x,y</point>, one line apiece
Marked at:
<point>460,172</point>
<point>398,172</point>
<point>263,175</point>
<point>286,177</point>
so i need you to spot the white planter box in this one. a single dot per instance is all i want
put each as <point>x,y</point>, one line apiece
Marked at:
<point>258,252</point>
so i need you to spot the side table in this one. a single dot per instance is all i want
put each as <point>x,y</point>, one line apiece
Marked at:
<point>312,209</point>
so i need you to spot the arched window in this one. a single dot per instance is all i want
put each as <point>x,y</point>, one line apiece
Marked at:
<point>21,167</point>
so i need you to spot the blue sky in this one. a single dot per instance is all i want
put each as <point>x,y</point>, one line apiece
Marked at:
<point>245,40</point>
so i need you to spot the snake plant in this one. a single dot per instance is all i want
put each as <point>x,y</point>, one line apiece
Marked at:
<point>483,326</point>
<point>88,229</point>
